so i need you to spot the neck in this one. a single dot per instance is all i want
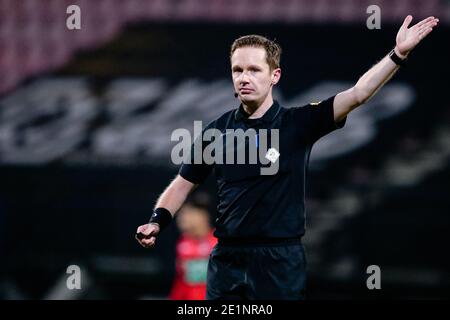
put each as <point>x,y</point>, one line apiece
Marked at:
<point>257,110</point>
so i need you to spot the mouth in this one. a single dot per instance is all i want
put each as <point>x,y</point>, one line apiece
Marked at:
<point>246,90</point>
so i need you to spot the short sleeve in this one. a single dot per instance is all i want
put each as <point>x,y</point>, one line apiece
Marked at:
<point>196,172</point>
<point>320,119</point>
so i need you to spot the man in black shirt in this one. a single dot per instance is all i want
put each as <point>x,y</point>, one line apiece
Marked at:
<point>260,214</point>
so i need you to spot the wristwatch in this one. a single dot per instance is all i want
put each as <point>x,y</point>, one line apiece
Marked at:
<point>394,57</point>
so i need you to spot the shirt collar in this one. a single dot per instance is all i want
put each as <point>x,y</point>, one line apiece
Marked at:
<point>269,115</point>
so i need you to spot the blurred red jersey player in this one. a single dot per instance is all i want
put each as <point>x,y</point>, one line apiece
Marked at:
<point>192,250</point>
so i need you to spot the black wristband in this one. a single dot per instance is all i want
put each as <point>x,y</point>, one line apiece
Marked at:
<point>161,216</point>
<point>397,60</point>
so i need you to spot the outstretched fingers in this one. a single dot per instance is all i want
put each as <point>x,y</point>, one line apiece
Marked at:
<point>426,24</point>
<point>427,27</point>
<point>424,21</point>
<point>425,33</point>
<point>407,21</point>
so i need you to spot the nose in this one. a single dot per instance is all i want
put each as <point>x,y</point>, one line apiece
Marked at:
<point>243,77</point>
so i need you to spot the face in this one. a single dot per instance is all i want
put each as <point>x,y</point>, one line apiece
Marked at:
<point>252,78</point>
<point>190,219</point>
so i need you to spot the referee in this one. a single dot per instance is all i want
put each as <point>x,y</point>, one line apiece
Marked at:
<point>260,218</point>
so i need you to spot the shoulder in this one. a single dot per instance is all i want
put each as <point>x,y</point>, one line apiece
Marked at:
<point>222,120</point>
<point>311,106</point>
<point>295,111</point>
<point>227,115</point>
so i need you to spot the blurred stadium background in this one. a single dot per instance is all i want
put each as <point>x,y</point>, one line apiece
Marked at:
<point>86,117</point>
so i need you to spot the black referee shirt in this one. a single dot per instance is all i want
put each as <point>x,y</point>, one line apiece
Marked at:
<point>251,205</point>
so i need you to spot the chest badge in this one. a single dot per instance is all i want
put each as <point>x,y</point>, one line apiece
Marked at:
<point>272,155</point>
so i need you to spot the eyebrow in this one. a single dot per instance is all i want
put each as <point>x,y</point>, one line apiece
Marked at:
<point>252,66</point>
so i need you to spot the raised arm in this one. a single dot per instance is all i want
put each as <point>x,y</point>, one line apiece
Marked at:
<point>171,199</point>
<point>407,39</point>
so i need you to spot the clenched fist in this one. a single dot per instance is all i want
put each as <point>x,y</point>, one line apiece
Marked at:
<point>146,234</point>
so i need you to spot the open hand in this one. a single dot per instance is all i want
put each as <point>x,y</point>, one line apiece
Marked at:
<point>408,38</point>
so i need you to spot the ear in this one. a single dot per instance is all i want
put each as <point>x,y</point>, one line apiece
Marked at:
<point>276,75</point>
